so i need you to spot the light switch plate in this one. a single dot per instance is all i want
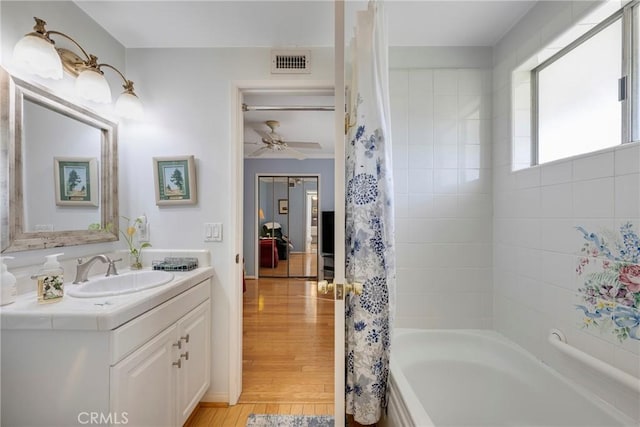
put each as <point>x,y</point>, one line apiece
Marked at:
<point>213,232</point>
<point>143,232</point>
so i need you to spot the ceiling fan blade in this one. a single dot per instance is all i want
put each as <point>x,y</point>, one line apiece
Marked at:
<point>252,143</point>
<point>258,152</point>
<point>299,144</point>
<point>297,154</point>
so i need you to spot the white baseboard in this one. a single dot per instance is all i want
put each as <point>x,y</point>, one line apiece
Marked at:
<point>215,397</point>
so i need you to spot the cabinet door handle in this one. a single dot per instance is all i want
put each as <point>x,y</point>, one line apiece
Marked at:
<point>178,363</point>
<point>185,338</point>
<point>178,344</point>
<point>185,355</point>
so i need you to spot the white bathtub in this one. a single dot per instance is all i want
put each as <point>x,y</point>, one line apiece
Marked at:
<point>479,378</point>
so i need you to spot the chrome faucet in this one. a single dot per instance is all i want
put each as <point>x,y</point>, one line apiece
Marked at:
<point>82,270</point>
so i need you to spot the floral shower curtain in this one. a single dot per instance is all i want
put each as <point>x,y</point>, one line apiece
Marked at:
<point>370,254</point>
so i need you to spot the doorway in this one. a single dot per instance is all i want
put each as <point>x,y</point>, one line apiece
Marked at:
<point>285,338</point>
<point>287,232</point>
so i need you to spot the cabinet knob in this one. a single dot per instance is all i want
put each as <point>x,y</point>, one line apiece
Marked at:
<point>185,338</point>
<point>178,363</point>
<point>178,344</point>
<point>185,355</point>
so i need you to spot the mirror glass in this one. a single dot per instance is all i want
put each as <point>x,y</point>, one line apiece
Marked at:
<point>61,158</point>
<point>48,135</point>
<point>288,226</point>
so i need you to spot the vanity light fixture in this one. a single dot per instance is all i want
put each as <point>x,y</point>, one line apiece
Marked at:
<point>36,53</point>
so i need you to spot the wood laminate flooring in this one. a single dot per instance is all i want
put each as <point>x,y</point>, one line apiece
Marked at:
<point>299,264</point>
<point>287,343</point>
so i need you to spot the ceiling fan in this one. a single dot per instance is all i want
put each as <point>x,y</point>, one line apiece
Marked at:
<point>274,142</point>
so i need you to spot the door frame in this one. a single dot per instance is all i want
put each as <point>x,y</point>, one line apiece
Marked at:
<point>340,124</point>
<point>308,218</point>
<point>237,90</point>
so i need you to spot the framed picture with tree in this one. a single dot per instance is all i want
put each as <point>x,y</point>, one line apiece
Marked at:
<point>76,181</point>
<point>175,180</point>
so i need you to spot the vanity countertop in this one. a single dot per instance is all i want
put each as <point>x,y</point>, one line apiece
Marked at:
<point>97,313</point>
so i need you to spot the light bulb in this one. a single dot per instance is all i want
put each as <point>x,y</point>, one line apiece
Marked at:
<point>37,55</point>
<point>128,105</point>
<point>92,86</point>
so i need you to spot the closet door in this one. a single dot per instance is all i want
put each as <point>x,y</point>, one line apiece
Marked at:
<point>303,226</point>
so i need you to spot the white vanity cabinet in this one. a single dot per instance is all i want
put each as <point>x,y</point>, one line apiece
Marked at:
<point>143,385</point>
<point>161,383</point>
<point>142,360</point>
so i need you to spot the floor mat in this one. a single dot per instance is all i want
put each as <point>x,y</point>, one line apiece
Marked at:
<point>275,420</point>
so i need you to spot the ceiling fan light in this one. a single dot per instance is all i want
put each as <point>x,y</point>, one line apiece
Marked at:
<point>37,55</point>
<point>92,86</point>
<point>128,105</point>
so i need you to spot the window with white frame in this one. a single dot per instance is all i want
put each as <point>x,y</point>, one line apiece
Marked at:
<point>580,94</point>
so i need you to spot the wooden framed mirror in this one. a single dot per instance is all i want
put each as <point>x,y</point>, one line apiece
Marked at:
<point>60,180</point>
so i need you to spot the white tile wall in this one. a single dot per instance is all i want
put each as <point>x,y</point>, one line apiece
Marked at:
<point>536,210</point>
<point>593,198</point>
<point>593,166</point>
<point>627,196</point>
<point>627,159</point>
<point>557,173</point>
<point>444,211</point>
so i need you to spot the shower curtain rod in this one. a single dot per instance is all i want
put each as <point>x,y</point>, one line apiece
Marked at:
<point>246,107</point>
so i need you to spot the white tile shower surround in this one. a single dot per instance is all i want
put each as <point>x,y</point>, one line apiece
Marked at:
<point>519,275</point>
<point>535,212</point>
<point>442,154</point>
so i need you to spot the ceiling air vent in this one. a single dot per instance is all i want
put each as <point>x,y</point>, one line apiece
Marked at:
<point>294,61</point>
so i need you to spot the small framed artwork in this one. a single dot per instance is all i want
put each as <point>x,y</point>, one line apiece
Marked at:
<point>76,181</point>
<point>175,180</point>
<point>283,206</point>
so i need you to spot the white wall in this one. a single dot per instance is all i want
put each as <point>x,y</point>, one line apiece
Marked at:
<point>536,210</point>
<point>442,174</point>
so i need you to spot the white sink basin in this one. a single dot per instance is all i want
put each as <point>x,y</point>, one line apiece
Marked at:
<point>124,283</point>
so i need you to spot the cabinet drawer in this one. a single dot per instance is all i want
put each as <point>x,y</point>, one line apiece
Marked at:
<point>133,334</point>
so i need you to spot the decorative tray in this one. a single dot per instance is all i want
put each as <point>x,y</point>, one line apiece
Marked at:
<point>175,264</point>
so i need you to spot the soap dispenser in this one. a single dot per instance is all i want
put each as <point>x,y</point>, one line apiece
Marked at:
<point>9,291</point>
<point>50,280</point>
